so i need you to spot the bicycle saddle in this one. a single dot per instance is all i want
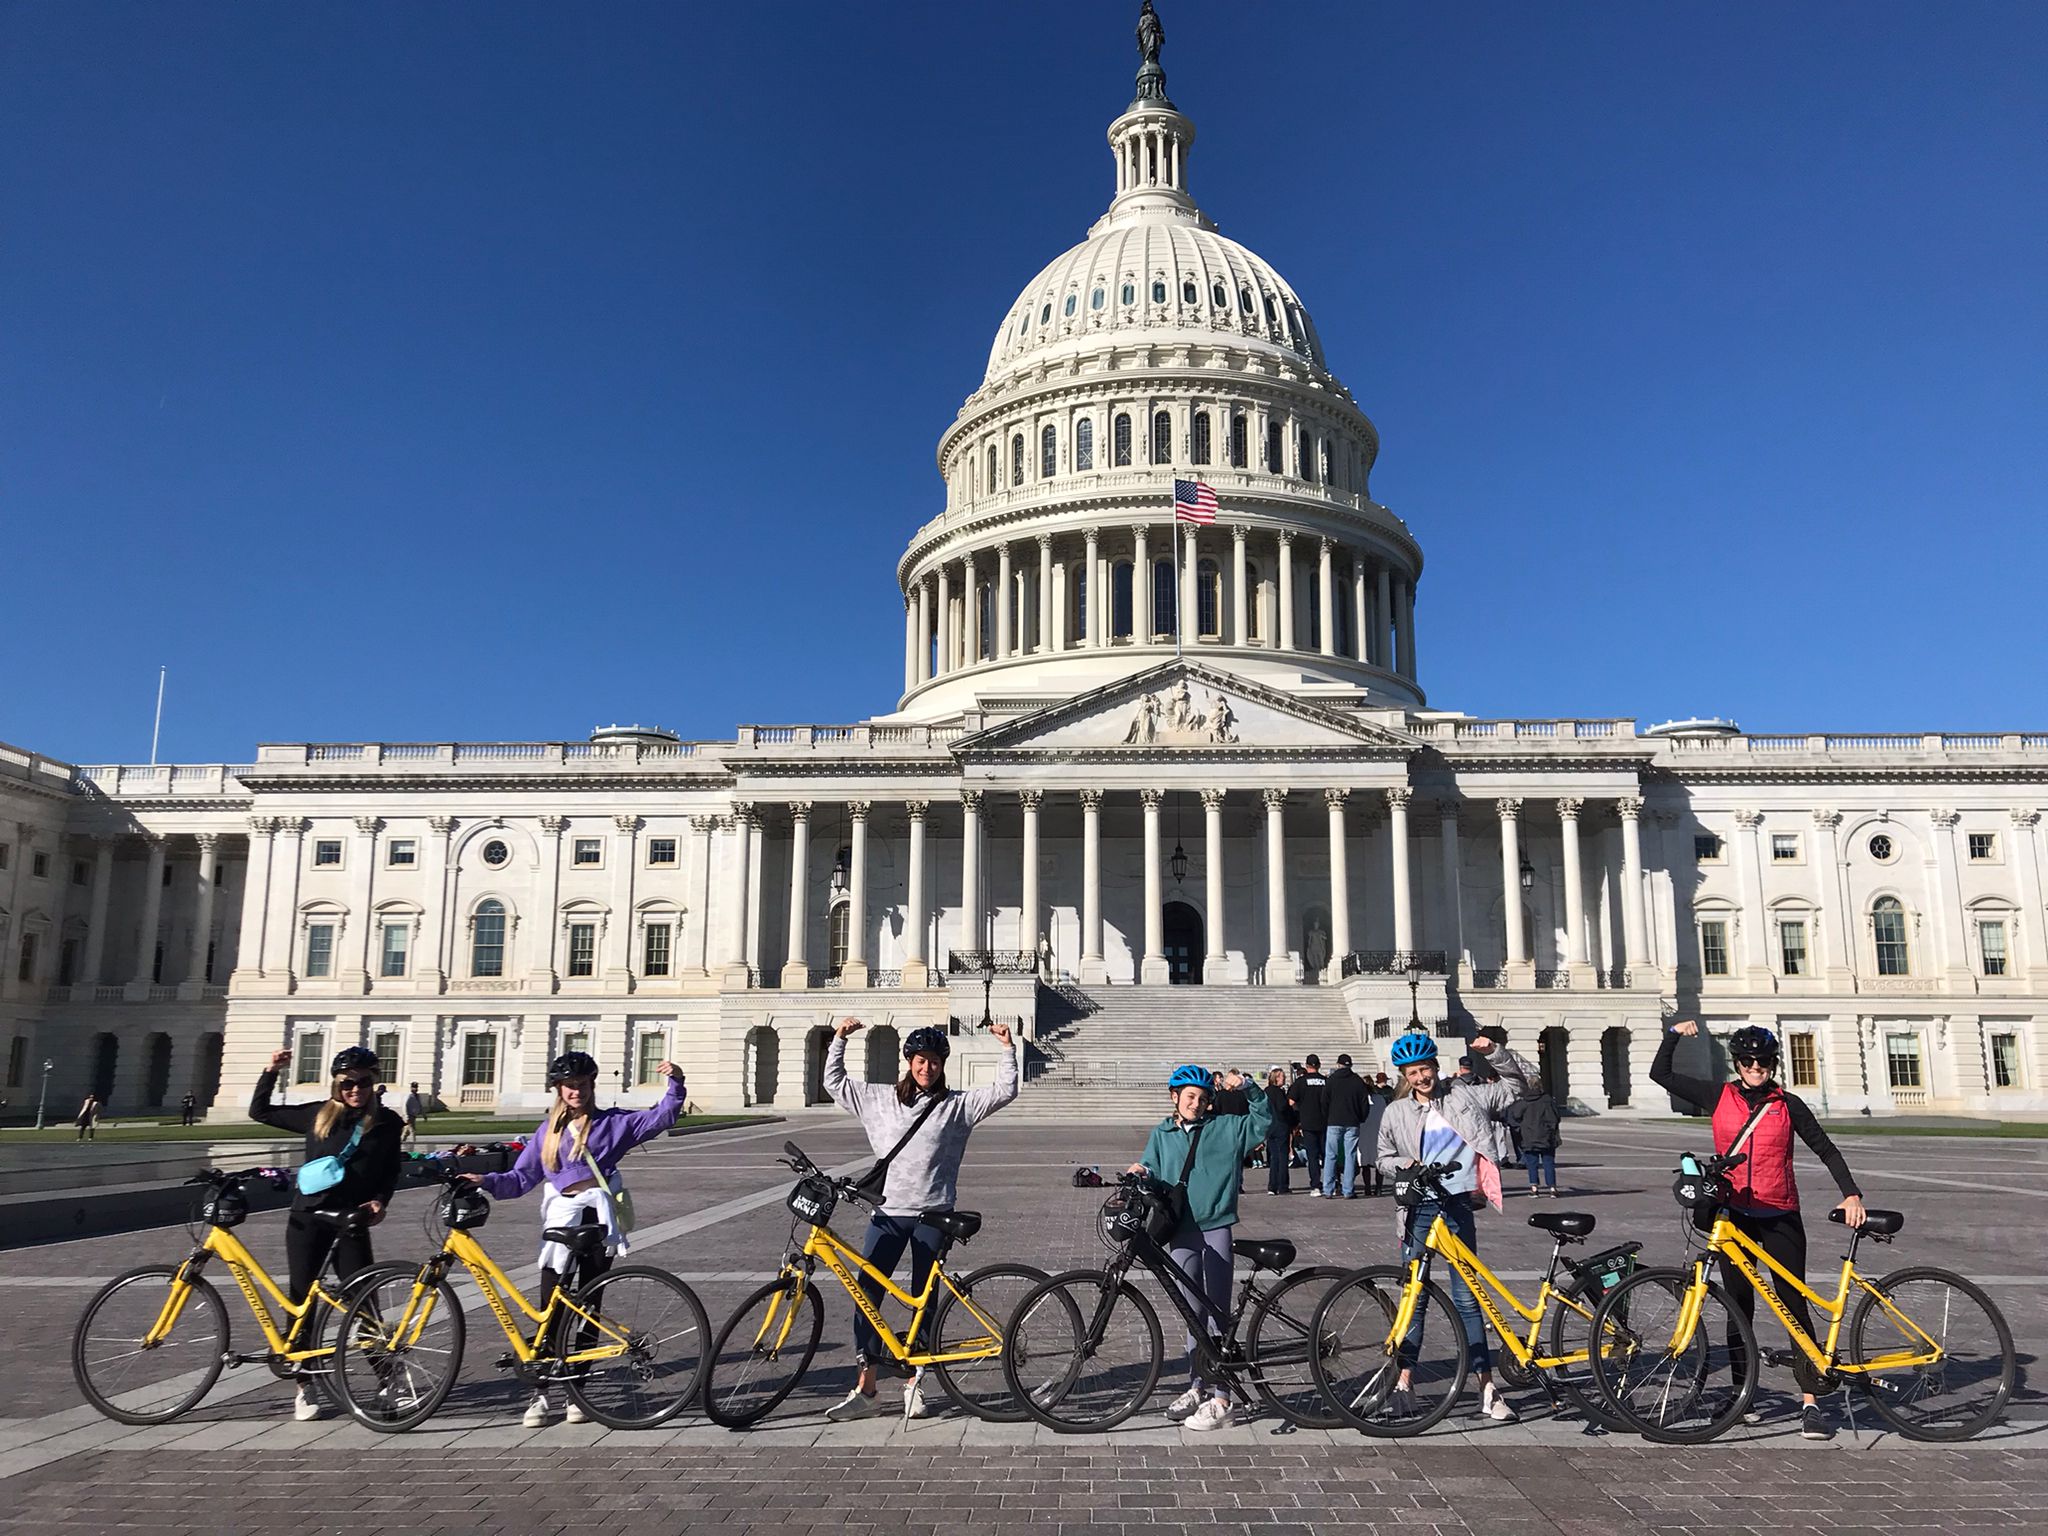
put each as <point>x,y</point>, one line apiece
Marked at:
<point>957,1225</point>
<point>583,1239</point>
<point>1876,1223</point>
<point>1563,1223</point>
<point>1264,1252</point>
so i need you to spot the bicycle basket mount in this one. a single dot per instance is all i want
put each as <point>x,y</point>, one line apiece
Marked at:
<point>221,1208</point>
<point>813,1200</point>
<point>463,1209</point>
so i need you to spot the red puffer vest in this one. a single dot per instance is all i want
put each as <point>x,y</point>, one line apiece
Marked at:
<point>1764,1183</point>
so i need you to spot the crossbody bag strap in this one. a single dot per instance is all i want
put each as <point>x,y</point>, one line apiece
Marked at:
<point>349,1147</point>
<point>1188,1167</point>
<point>915,1126</point>
<point>1749,1126</point>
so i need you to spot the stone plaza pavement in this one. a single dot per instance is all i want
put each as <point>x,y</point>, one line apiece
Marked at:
<point>710,1208</point>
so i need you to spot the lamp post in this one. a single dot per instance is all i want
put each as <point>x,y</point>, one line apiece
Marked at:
<point>1528,873</point>
<point>988,989</point>
<point>43,1098</point>
<point>1414,988</point>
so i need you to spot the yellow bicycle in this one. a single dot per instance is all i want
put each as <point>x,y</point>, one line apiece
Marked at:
<point>1389,1321</point>
<point>153,1342</point>
<point>1930,1350</point>
<point>766,1346</point>
<point>626,1345</point>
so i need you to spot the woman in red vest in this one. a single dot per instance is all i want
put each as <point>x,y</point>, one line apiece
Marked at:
<point>1754,1112</point>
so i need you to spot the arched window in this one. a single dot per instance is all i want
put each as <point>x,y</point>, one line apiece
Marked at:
<point>985,604</point>
<point>1162,437</point>
<point>1239,447</point>
<point>993,479</point>
<point>1097,298</point>
<point>1340,620</point>
<point>1315,613</point>
<point>1163,595</point>
<point>1077,588</point>
<point>1048,453</point>
<point>1272,317</point>
<point>1130,293</point>
<point>1024,322</point>
<point>1254,605</point>
<point>1888,928</point>
<point>1045,314</point>
<point>1189,294</point>
<point>487,940</point>
<point>1199,453</point>
<point>1121,433</point>
<point>1329,465</point>
<point>1158,290</point>
<point>1084,443</point>
<point>1244,300</point>
<point>1209,599</point>
<point>835,938</point>
<point>1120,600</point>
<point>1308,456</point>
<point>1218,297</point>
<point>1073,303</point>
<point>1017,458</point>
<point>1276,448</point>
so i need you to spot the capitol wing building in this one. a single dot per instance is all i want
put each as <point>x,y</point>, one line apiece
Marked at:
<point>1156,790</point>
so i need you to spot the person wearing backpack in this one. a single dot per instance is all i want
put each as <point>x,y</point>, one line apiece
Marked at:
<point>1197,1152</point>
<point>1539,1137</point>
<point>352,1159</point>
<point>919,1128</point>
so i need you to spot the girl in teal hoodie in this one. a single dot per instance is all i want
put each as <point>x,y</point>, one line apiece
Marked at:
<point>1221,1133</point>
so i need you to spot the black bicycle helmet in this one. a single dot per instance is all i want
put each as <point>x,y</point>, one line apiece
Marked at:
<point>927,1041</point>
<point>1754,1040</point>
<point>571,1065</point>
<point>355,1058</point>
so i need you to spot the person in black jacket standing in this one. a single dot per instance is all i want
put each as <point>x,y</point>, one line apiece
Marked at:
<point>1348,1111</point>
<point>354,1127</point>
<point>1311,1100</point>
<point>1279,1132</point>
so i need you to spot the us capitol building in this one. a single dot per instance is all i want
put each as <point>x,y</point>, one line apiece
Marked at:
<point>1255,841</point>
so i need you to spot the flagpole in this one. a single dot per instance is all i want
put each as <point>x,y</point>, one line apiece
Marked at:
<point>1173,528</point>
<point>156,730</point>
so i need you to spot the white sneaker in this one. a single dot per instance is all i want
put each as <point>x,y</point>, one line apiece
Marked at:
<point>306,1407</point>
<point>913,1397</point>
<point>537,1412</point>
<point>1495,1407</point>
<point>1182,1408</point>
<point>1213,1414</point>
<point>1314,1193</point>
<point>574,1414</point>
<point>855,1405</point>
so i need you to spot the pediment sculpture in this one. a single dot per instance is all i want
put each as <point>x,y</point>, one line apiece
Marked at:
<point>1170,718</point>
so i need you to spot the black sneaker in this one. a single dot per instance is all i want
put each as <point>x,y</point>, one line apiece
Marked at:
<point>1814,1425</point>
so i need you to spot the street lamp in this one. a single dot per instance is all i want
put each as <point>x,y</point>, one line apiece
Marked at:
<point>44,1097</point>
<point>1528,874</point>
<point>988,988</point>
<point>1414,987</point>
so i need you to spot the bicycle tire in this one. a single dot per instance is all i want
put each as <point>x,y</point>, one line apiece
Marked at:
<point>1564,1333</point>
<point>1362,1402</point>
<point>1620,1315</point>
<point>729,1407</point>
<point>319,1376</point>
<point>1061,1326</point>
<point>383,1389</point>
<point>666,1332</point>
<point>1303,1403</point>
<point>1889,1398</point>
<point>95,1369</point>
<point>979,1386</point>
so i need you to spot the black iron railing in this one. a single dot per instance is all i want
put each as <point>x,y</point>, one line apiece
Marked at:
<point>1392,962</point>
<point>1004,962</point>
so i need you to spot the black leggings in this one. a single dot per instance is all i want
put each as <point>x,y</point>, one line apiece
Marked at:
<point>588,1268</point>
<point>308,1242</point>
<point>1783,1237</point>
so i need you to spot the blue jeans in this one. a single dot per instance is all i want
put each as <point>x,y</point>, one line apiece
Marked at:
<point>887,1237</point>
<point>1458,1217</point>
<point>1541,1161</point>
<point>1340,1155</point>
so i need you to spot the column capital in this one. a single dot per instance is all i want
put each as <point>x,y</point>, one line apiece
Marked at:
<point>1827,818</point>
<point>1141,530</point>
<point>553,825</point>
<point>370,826</point>
<point>1945,818</point>
<point>1447,811</point>
<point>857,810</point>
<point>1088,535</point>
<point>799,810</point>
<point>156,840</point>
<point>1029,798</point>
<point>1398,797</point>
<point>917,808</point>
<point>206,840</point>
<point>442,824</point>
<point>2025,817</point>
<point>627,824</point>
<point>294,826</point>
<point>1044,542</point>
<point>1508,807</point>
<point>1274,798</point>
<point>1747,819</point>
<point>1151,798</point>
<point>1286,537</point>
<point>1631,806</point>
<point>746,814</point>
<point>703,823</point>
<point>1569,806</point>
<point>259,826</point>
<point>1212,799</point>
<point>1091,800</point>
<point>1237,533</point>
<point>971,800</point>
<point>1335,796</point>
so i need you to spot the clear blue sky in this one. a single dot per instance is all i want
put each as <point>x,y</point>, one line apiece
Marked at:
<point>450,371</point>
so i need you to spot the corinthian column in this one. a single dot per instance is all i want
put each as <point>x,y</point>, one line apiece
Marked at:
<point>1216,963</point>
<point>202,919</point>
<point>970,870</point>
<point>1509,809</point>
<point>1092,969</point>
<point>854,972</point>
<point>1003,631</point>
<point>1279,963</point>
<point>1340,886</point>
<point>1397,839</point>
<point>1028,936</point>
<point>1285,628</point>
<point>1568,808</point>
<point>1153,968</point>
<point>1326,599</point>
<point>1044,636</point>
<point>796,969</point>
<point>152,911</point>
<point>1635,924</point>
<point>915,918</point>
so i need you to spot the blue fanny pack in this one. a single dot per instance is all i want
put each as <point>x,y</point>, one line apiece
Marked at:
<point>323,1173</point>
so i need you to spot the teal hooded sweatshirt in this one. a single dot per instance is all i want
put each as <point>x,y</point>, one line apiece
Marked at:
<point>1219,1159</point>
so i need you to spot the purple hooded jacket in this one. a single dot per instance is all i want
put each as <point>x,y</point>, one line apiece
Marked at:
<point>613,1133</point>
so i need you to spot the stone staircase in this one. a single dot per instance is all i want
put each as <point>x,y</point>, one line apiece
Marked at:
<point>1104,1053</point>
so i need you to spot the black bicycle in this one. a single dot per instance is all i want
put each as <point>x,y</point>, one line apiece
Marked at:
<point>1086,1350</point>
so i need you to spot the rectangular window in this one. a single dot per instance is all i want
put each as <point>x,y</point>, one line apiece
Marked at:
<point>17,1060</point>
<point>169,869</point>
<point>1713,948</point>
<point>1784,847</point>
<point>1983,847</point>
<point>1991,940</point>
<point>576,1040</point>
<point>1805,1061</point>
<point>25,970</point>
<point>2005,1061</point>
<point>385,1044</point>
<point>6,853</point>
<point>327,853</point>
<point>661,851</point>
<point>1707,848</point>
<point>1792,947</point>
<point>653,1052</point>
<point>1902,1060</point>
<point>1276,450</point>
<point>39,866</point>
<point>1238,444</point>
<point>212,945</point>
<point>480,1060</point>
<point>654,959</point>
<point>583,949</point>
<point>395,950</point>
<point>81,872</point>
<point>67,963</point>
<point>403,853</point>
<point>308,1066</point>
<point>320,949</point>
<point>588,852</point>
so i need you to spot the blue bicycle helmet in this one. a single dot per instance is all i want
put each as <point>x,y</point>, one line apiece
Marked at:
<point>929,1042</point>
<point>1189,1076</point>
<point>1411,1047</point>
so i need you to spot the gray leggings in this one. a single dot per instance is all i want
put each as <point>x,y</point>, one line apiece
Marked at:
<point>1204,1257</point>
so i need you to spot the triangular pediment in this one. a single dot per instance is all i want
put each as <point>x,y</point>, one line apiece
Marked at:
<point>1183,707</point>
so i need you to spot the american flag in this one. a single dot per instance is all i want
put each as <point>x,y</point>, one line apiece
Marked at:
<point>1193,502</point>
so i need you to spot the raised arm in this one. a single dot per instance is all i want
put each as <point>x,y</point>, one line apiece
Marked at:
<point>297,1118</point>
<point>980,1103</point>
<point>646,1124</point>
<point>1694,1090</point>
<point>849,1094</point>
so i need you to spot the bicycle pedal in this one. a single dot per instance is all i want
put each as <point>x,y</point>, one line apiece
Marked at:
<point>506,1362</point>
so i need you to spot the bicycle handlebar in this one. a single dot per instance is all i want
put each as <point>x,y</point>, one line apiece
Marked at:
<point>222,1178</point>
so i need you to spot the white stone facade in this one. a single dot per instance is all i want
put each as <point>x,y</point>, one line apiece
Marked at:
<point>1257,798</point>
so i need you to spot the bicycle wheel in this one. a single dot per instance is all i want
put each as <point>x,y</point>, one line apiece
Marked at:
<point>149,1383</point>
<point>1360,1366</point>
<point>1953,1397</point>
<point>1083,1352</point>
<point>1569,1331</point>
<point>1276,1347</point>
<point>978,1385</point>
<point>647,1347</point>
<point>396,1356</point>
<point>763,1351</point>
<point>1679,1394</point>
<point>317,1375</point>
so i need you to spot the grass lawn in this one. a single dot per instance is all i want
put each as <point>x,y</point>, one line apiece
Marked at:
<point>476,1127</point>
<point>2009,1130</point>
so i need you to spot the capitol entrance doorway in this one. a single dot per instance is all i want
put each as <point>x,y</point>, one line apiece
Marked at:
<point>1185,944</point>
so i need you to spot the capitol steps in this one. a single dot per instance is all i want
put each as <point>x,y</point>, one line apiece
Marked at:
<point>1104,1053</point>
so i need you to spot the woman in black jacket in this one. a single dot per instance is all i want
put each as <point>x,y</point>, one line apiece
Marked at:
<point>1279,1133</point>
<point>354,1127</point>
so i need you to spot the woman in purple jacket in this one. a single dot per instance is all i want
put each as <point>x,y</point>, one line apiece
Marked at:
<point>576,1151</point>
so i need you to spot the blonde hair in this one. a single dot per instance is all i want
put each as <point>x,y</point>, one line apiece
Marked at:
<point>551,1143</point>
<point>332,1112</point>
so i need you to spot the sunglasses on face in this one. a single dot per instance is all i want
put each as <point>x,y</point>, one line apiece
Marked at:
<point>1753,1061</point>
<point>347,1084</point>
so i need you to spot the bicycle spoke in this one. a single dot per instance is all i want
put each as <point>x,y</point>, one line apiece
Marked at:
<point>1963,1387</point>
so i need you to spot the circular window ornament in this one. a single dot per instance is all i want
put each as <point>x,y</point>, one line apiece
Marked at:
<point>496,854</point>
<point>1881,847</point>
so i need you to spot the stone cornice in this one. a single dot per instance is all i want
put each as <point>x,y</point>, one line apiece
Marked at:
<point>344,778</point>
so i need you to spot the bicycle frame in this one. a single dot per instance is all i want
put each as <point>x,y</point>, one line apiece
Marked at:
<point>257,1288</point>
<point>1485,1285</point>
<point>1196,1310</point>
<point>498,1290</point>
<point>824,1246</point>
<point>1743,1254</point>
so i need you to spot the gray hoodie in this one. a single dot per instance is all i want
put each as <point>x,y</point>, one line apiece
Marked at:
<point>1470,1107</point>
<point>926,1173</point>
